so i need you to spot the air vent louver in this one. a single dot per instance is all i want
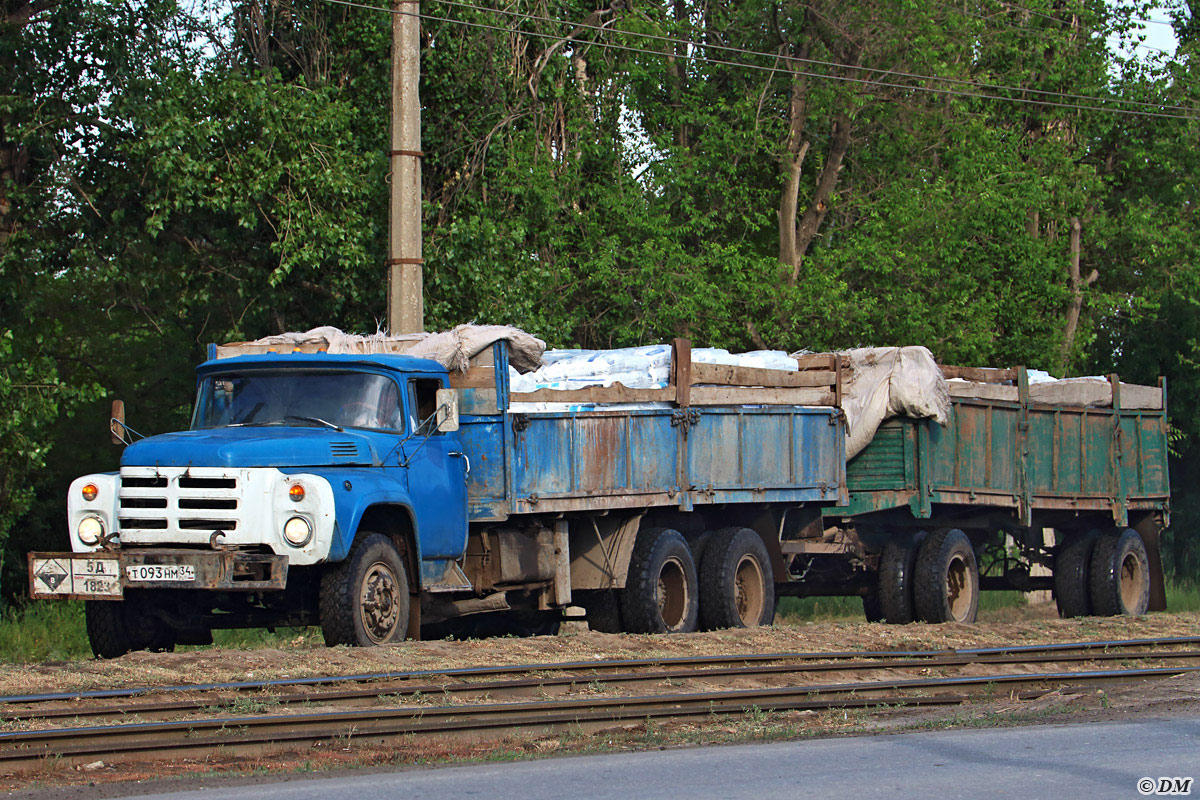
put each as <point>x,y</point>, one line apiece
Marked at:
<point>343,449</point>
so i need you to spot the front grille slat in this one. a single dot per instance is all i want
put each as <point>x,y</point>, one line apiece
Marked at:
<point>189,502</point>
<point>179,502</point>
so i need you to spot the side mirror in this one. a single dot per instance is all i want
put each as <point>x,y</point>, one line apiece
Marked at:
<point>116,424</point>
<point>447,411</point>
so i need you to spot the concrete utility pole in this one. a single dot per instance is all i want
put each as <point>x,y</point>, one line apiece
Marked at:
<point>406,306</point>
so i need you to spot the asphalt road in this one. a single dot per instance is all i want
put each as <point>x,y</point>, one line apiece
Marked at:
<point>1091,760</point>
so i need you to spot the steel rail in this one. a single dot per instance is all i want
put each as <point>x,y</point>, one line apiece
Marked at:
<point>598,665</point>
<point>503,687</point>
<point>232,734</point>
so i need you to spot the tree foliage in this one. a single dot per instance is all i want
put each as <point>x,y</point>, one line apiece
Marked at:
<point>767,173</point>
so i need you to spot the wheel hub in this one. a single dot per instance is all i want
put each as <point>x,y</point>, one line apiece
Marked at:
<point>748,594</point>
<point>379,602</point>
<point>1132,579</point>
<point>672,593</point>
<point>959,589</point>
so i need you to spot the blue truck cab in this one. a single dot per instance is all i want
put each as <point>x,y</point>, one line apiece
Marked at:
<point>383,496</point>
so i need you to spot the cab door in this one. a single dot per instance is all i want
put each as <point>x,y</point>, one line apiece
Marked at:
<point>437,474</point>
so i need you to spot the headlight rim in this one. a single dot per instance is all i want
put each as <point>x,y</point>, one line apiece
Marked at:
<point>97,537</point>
<point>309,529</point>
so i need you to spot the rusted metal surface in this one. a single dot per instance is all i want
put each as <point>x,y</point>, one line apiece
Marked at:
<point>1018,455</point>
<point>139,569</point>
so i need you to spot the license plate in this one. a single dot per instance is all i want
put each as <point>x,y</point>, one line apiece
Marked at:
<point>74,576</point>
<point>179,573</point>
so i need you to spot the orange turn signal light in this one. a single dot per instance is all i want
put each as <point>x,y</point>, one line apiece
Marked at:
<point>296,493</point>
<point>90,492</point>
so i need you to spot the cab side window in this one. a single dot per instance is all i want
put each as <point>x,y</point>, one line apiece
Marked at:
<point>422,400</point>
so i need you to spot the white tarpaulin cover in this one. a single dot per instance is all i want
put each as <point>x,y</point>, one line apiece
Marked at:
<point>882,382</point>
<point>885,382</point>
<point>647,367</point>
<point>452,349</point>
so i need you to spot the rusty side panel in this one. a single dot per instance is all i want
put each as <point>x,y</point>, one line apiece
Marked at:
<point>588,460</point>
<point>1027,457</point>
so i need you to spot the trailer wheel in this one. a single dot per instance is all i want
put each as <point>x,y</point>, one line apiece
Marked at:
<point>737,586</point>
<point>1120,574</point>
<point>896,568</point>
<point>660,589</point>
<point>1072,592</point>
<point>872,609</point>
<point>364,599</point>
<point>117,627</point>
<point>946,588</point>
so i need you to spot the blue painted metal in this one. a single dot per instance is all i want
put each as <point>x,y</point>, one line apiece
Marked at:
<point>579,460</point>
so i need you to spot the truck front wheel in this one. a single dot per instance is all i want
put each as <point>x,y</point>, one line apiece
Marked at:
<point>117,627</point>
<point>364,599</point>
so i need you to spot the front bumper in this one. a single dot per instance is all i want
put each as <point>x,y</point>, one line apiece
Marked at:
<point>106,575</point>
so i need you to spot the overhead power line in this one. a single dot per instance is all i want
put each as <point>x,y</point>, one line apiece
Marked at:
<point>1039,32</point>
<point>814,61</point>
<point>692,56</point>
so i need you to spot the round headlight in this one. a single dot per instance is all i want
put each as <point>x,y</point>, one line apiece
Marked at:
<point>297,531</point>
<point>90,530</point>
<point>90,492</point>
<point>296,492</point>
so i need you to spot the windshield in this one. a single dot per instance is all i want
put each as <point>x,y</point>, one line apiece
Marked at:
<point>298,397</point>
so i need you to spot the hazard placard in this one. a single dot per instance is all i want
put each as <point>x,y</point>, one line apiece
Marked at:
<point>64,575</point>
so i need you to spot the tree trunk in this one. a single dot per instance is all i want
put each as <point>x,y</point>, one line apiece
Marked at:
<point>1077,285</point>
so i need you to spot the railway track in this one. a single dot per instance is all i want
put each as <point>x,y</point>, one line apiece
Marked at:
<point>378,706</point>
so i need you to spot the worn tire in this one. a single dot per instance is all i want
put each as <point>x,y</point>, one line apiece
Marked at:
<point>1072,577</point>
<point>737,585</point>
<point>660,594</point>
<point>1120,574</point>
<point>117,627</point>
<point>946,580</point>
<point>872,609</point>
<point>364,599</point>
<point>603,611</point>
<point>896,568</point>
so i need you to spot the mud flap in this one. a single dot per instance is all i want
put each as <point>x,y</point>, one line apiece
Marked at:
<point>1150,529</point>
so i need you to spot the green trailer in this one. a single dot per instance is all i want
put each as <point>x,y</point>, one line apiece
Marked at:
<point>1056,486</point>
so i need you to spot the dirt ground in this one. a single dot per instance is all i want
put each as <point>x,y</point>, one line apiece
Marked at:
<point>575,643</point>
<point>1172,696</point>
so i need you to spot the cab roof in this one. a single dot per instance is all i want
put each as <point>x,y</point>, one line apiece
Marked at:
<point>394,363</point>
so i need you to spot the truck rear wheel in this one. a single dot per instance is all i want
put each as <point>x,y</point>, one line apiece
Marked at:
<point>946,588</point>
<point>896,568</point>
<point>1072,586</point>
<point>117,627</point>
<point>603,611</point>
<point>660,589</point>
<point>364,599</point>
<point>1120,574</point>
<point>737,586</point>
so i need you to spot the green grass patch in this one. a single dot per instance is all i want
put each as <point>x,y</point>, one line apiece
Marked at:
<point>44,631</point>
<point>809,609</point>
<point>1183,597</point>
<point>54,630</point>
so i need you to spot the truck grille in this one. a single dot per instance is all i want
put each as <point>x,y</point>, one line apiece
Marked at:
<point>176,500</point>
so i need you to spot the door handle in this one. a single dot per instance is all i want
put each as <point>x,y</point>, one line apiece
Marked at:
<point>463,456</point>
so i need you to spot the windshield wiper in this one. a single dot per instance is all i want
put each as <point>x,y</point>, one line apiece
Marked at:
<point>326,423</point>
